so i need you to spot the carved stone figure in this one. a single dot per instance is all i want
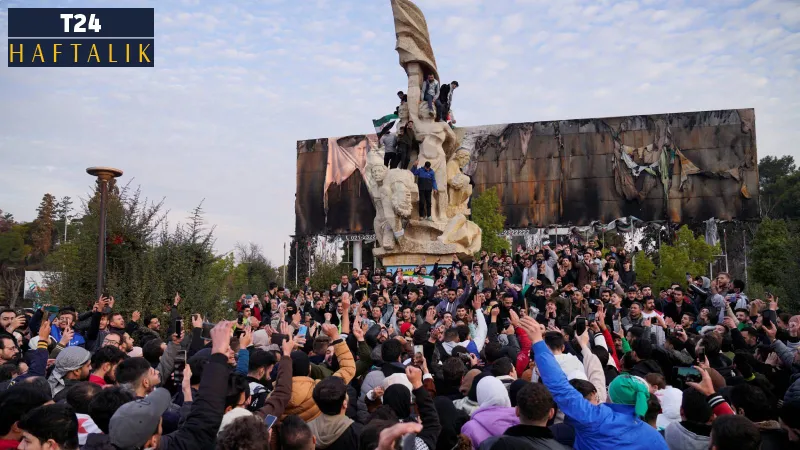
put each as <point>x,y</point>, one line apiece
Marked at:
<point>458,188</point>
<point>398,194</point>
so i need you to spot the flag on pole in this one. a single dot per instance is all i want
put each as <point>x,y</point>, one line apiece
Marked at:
<point>384,124</point>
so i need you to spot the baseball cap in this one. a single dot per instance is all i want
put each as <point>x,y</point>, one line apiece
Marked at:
<point>135,422</point>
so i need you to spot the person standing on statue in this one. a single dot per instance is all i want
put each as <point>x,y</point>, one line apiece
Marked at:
<point>390,156</point>
<point>406,140</point>
<point>446,99</point>
<point>426,182</point>
<point>430,92</point>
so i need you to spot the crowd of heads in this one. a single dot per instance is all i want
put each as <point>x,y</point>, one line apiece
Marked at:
<point>547,347</point>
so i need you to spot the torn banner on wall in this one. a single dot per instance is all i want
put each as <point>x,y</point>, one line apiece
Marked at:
<point>345,156</point>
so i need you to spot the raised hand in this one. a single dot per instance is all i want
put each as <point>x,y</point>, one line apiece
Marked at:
<point>66,336</point>
<point>246,337</point>
<point>177,339</point>
<point>287,346</point>
<point>177,300</point>
<point>532,328</point>
<point>186,384</point>
<point>388,436</point>
<point>705,386</point>
<point>583,339</point>
<point>414,376</point>
<point>357,331</point>
<point>514,318</point>
<point>430,316</point>
<point>111,302</point>
<point>331,331</point>
<point>221,337</point>
<point>378,391</point>
<point>476,303</point>
<point>44,330</point>
<point>197,321</point>
<point>136,316</point>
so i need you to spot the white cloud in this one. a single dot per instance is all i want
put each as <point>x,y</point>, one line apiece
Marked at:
<point>237,85</point>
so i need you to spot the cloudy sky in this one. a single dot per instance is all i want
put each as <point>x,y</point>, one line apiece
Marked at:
<point>236,84</point>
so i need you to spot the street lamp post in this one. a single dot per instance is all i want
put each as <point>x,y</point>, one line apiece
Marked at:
<point>103,174</point>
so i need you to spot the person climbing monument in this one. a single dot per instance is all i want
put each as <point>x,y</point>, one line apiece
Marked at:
<point>430,93</point>
<point>426,182</point>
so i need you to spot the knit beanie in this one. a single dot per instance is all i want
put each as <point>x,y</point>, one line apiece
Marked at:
<point>404,328</point>
<point>628,390</point>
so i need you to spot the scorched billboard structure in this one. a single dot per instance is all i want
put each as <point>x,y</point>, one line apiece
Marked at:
<point>681,167</point>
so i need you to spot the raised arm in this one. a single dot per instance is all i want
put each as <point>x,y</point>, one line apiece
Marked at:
<point>347,365</point>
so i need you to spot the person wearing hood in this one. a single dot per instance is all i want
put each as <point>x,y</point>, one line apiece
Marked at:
<point>72,366</point>
<point>603,426</point>
<point>494,414</point>
<point>535,407</point>
<point>301,402</point>
<point>333,429</point>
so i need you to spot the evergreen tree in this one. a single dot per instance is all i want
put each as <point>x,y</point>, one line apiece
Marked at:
<point>44,227</point>
<point>487,213</point>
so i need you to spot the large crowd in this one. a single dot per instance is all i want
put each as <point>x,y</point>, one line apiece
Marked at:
<point>549,348</point>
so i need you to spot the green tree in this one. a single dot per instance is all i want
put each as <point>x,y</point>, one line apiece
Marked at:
<point>12,256</point>
<point>771,169</point>
<point>687,254</point>
<point>487,213</point>
<point>258,270</point>
<point>44,228</point>
<point>779,183</point>
<point>774,263</point>
<point>147,260</point>
<point>63,214</point>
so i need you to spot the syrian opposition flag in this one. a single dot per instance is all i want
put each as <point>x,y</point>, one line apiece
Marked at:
<point>384,124</point>
<point>419,279</point>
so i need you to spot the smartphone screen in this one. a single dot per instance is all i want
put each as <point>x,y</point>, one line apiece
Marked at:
<point>178,327</point>
<point>701,354</point>
<point>302,331</point>
<point>270,421</point>
<point>206,333</point>
<point>418,349</point>
<point>689,372</point>
<point>580,325</point>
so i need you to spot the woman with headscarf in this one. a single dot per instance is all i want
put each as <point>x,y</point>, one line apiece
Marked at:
<point>397,398</point>
<point>494,414</point>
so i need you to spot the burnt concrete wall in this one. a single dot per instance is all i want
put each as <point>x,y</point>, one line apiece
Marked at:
<point>562,172</point>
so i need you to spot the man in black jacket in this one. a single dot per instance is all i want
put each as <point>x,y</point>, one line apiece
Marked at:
<point>138,424</point>
<point>535,406</point>
<point>333,429</point>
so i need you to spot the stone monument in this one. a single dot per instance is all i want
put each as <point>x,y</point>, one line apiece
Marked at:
<point>404,239</point>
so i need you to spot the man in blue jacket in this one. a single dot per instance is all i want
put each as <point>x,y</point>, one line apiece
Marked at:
<point>426,181</point>
<point>603,426</point>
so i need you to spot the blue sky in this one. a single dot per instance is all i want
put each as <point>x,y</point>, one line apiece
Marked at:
<point>236,84</point>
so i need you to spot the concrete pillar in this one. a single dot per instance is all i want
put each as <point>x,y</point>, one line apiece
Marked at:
<point>357,263</point>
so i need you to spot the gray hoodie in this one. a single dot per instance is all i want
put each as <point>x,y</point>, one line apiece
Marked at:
<point>679,438</point>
